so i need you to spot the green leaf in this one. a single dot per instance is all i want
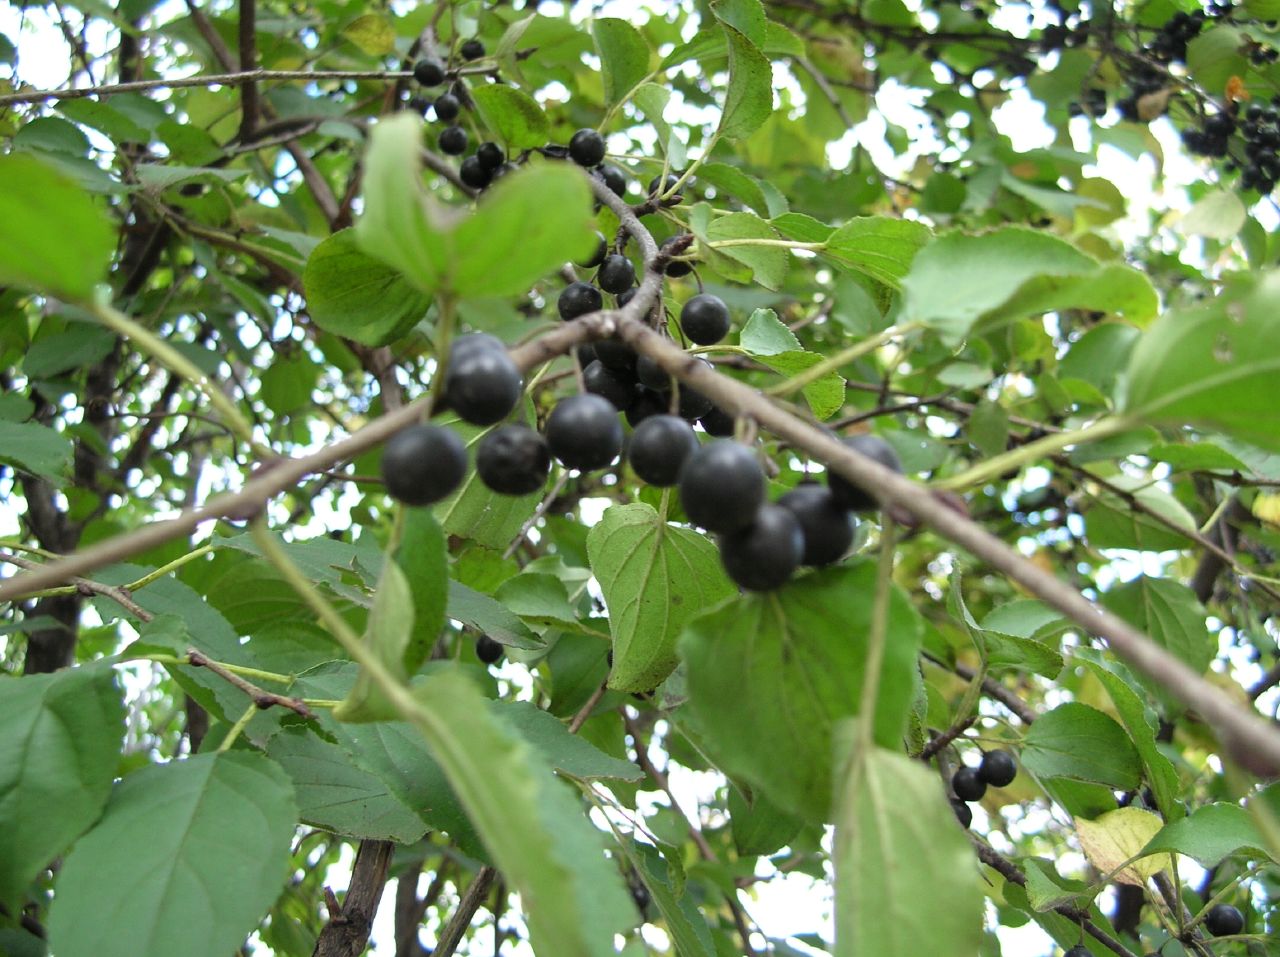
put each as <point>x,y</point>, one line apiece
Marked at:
<point>825,395</point>
<point>624,58</point>
<point>901,862</point>
<point>734,182</point>
<point>75,347</point>
<point>1047,889</point>
<point>1210,834</point>
<point>958,279</point>
<point>1117,836</point>
<point>876,246</point>
<point>768,264</point>
<point>766,335</point>
<point>535,831</point>
<point>749,100</point>
<point>524,227</point>
<point>566,752</point>
<point>186,860</point>
<point>1214,363</point>
<point>489,616</point>
<point>759,827</point>
<point>358,297</point>
<point>387,637</point>
<point>1218,215</point>
<point>423,556</point>
<point>1081,743</point>
<point>474,511</point>
<point>655,577</point>
<point>769,677</point>
<point>60,735</point>
<point>54,238</point>
<point>685,923</point>
<point>35,449</point>
<point>1112,522</point>
<point>372,33</point>
<point>513,115</point>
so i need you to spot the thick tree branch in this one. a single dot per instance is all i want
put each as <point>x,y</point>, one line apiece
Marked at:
<point>347,933</point>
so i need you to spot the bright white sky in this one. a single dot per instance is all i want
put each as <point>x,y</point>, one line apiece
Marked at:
<point>789,904</point>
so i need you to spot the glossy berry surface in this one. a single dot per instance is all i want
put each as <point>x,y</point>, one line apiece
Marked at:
<point>488,650</point>
<point>659,447</point>
<point>614,178</point>
<point>490,156</point>
<point>583,432</point>
<point>471,49</point>
<point>603,381</point>
<point>482,384</point>
<point>873,447</point>
<point>764,554</point>
<point>453,141</point>
<point>1079,950</point>
<point>1223,920</point>
<point>692,404</point>
<point>429,72</point>
<point>964,813</point>
<point>617,274</point>
<point>722,486</point>
<point>705,319</point>
<point>474,173</point>
<point>828,528</point>
<point>647,403</point>
<point>513,460</point>
<point>717,422</point>
<point>586,148</point>
<point>998,768</point>
<point>967,785</point>
<point>658,185</point>
<point>423,464</point>
<point>578,299</point>
<point>650,374</point>
<point>446,107</point>
<point>617,355</point>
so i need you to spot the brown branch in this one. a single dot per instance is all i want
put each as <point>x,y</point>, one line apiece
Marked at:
<point>946,737</point>
<point>458,924</point>
<point>247,30</point>
<point>347,932</point>
<point>86,587</point>
<point>262,698</point>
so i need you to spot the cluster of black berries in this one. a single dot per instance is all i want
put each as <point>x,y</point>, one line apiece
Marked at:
<point>1261,133</point>
<point>1169,45</point>
<point>996,769</point>
<point>1144,81</point>
<point>1213,137</point>
<point>447,106</point>
<point>1094,104</point>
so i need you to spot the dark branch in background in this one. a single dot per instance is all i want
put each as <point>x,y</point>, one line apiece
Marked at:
<point>347,932</point>
<point>460,922</point>
<point>1223,534</point>
<point>992,689</point>
<point>247,31</point>
<point>263,699</point>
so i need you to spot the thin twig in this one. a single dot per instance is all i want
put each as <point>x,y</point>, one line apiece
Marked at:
<point>458,924</point>
<point>262,698</point>
<point>85,586</point>
<point>584,712</point>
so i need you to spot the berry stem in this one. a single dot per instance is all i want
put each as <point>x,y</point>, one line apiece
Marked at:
<point>844,356</point>
<point>877,637</point>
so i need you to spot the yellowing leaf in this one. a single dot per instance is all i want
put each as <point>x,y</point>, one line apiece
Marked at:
<point>372,33</point>
<point>1267,508</point>
<point>1117,836</point>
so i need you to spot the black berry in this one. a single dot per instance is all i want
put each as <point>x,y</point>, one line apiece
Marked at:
<point>998,768</point>
<point>614,178</point>
<point>625,296</point>
<point>764,554</point>
<point>705,319</point>
<point>659,447</point>
<point>1079,950</point>
<point>474,173</point>
<point>447,107</point>
<point>617,274</point>
<point>675,267</point>
<point>578,299</point>
<point>453,141</point>
<point>513,460</point>
<point>617,355</point>
<point>488,650</point>
<point>849,495</point>
<point>482,384</point>
<point>647,403</point>
<point>583,432</point>
<point>419,104</point>
<point>429,71</point>
<point>490,155</point>
<point>1223,920</point>
<point>586,148</point>
<point>828,528</point>
<point>651,374</point>
<point>717,422</point>
<point>964,813</point>
<point>423,463</point>
<point>603,381</point>
<point>722,487</point>
<point>692,404</point>
<point>967,785</point>
<point>659,186</point>
<point>597,255</point>
<point>471,49</point>
<point>474,341</point>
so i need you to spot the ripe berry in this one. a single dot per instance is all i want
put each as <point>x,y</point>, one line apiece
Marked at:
<point>692,404</point>
<point>659,186</point>
<point>482,384</point>
<point>717,422</point>
<point>490,155</point>
<point>603,381</point>
<point>964,813</point>
<point>617,274</point>
<point>1223,920</point>
<point>419,104</point>
<point>578,299</point>
<point>675,267</point>
<point>488,650</point>
<point>447,107</point>
<point>617,355</point>
<point>849,495</point>
<point>705,319</point>
<point>471,49</point>
<point>651,374</point>
<point>453,141</point>
<point>513,460</point>
<point>586,148</point>
<point>625,296</point>
<point>473,341</point>
<point>614,178</point>
<point>967,785</point>
<point>583,432</point>
<point>647,403</point>
<point>722,486</point>
<point>597,255</point>
<point>998,768</point>
<point>474,173</point>
<point>828,528</point>
<point>1079,950</point>
<point>423,464</point>
<point>659,447</point>
<point>429,71</point>
<point>764,554</point>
